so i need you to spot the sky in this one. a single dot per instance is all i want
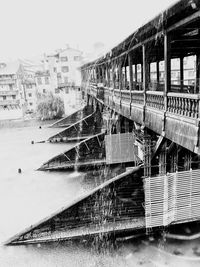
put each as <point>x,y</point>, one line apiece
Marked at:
<point>33,27</point>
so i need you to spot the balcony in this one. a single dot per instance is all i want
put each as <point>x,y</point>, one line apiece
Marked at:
<point>7,81</point>
<point>9,102</point>
<point>8,93</point>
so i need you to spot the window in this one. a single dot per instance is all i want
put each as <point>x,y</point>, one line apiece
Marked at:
<point>65,79</point>
<point>173,74</point>
<point>10,87</point>
<point>77,58</point>
<point>30,95</point>
<point>64,59</point>
<point>4,97</point>
<point>58,75</point>
<point>14,97</point>
<point>30,104</point>
<point>191,73</point>
<point>65,69</point>
<point>59,80</point>
<point>55,69</point>
<point>46,80</point>
<point>44,91</point>
<point>39,80</point>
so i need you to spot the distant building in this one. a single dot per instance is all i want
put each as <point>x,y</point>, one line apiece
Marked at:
<point>22,81</point>
<point>64,74</point>
<point>30,94</point>
<point>64,67</point>
<point>10,97</point>
<point>31,74</point>
<point>42,80</point>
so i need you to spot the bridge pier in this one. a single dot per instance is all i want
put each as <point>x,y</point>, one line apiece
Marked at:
<point>163,159</point>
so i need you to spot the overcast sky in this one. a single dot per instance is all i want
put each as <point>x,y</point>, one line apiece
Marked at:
<point>32,27</point>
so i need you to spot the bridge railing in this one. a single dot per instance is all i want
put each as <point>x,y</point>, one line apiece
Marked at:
<point>117,93</point>
<point>155,99</point>
<point>137,97</point>
<point>183,104</point>
<point>125,94</point>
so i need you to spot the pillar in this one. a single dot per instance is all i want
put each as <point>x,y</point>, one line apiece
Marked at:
<point>118,124</point>
<point>198,73</point>
<point>167,60</point>
<point>135,73</point>
<point>126,125</point>
<point>108,74</point>
<point>130,62</point>
<point>163,160</point>
<point>147,154</point>
<point>157,73</point>
<point>113,75</point>
<point>145,70</point>
<point>181,73</point>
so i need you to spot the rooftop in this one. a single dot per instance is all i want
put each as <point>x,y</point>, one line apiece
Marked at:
<point>183,17</point>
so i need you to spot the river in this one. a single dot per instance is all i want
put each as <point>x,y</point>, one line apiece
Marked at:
<point>32,195</point>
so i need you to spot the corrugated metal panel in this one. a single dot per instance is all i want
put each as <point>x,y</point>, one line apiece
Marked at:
<point>120,148</point>
<point>172,198</point>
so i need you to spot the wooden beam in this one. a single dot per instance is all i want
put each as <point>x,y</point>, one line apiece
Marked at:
<point>184,22</point>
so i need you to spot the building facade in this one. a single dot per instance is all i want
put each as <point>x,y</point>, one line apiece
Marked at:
<point>10,97</point>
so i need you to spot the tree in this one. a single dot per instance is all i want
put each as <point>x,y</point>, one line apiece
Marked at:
<point>49,107</point>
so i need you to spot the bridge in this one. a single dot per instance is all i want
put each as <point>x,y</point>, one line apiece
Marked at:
<point>142,87</point>
<point>145,81</point>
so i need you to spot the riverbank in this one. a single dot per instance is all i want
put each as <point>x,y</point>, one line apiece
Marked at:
<point>20,123</point>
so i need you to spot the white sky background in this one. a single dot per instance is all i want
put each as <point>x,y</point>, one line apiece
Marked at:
<point>32,27</point>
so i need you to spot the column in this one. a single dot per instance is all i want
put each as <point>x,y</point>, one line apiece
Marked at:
<point>135,75</point>
<point>120,78</point>
<point>157,73</point>
<point>126,125</point>
<point>167,59</point>
<point>198,73</point>
<point>145,70</point>
<point>181,73</point>
<point>113,74</point>
<point>108,74</point>
<point>163,160</point>
<point>130,62</point>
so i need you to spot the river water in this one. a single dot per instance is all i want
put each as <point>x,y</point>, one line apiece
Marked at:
<point>32,195</point>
